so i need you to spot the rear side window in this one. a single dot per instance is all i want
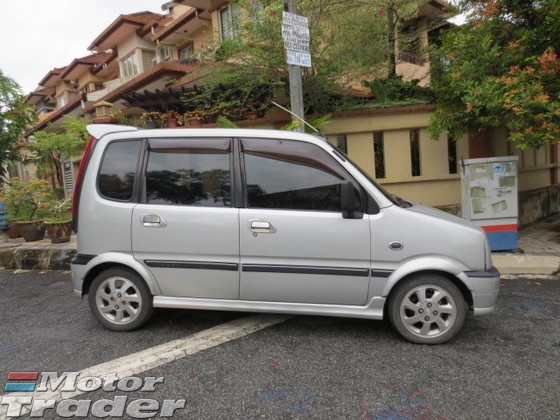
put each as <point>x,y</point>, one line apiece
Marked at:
<point>197,174</point>
<point>291,175</point>
<point>118,170</point>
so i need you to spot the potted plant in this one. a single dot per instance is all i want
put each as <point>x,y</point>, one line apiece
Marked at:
<point>58,219</point>
<point>253,110</point>
<point>24,201</point>
<point>151,119</point>
<point>172,117</point>
<point>120,117</point>
<point>195,117</point>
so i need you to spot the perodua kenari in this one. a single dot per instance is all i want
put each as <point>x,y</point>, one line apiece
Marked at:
<point>265,221</point>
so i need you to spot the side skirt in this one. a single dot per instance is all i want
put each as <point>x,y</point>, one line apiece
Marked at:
<point>373,310</point>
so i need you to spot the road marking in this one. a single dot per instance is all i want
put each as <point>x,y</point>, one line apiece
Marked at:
<point>142,361</point>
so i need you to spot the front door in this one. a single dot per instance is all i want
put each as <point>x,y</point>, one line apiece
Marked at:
<point>186,230</point>
<point>295,244</point>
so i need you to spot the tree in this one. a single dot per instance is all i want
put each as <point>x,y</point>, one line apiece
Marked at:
<point>350,40</point>
<point>15,116</point>
<point>52,148</point>
<point>501,69</point>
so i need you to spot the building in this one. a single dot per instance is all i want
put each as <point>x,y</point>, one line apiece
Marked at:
<point>144,61</point>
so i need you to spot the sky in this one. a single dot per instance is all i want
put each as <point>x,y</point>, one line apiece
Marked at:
<point>37,36</point>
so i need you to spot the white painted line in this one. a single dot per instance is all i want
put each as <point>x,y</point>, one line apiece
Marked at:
<point>142,361</point>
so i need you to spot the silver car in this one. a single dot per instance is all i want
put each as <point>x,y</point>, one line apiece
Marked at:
<point>265,221</point>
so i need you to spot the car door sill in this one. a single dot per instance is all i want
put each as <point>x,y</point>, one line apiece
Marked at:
<point>373,310</point>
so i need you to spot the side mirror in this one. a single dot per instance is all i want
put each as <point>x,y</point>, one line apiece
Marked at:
<point>350,202</point>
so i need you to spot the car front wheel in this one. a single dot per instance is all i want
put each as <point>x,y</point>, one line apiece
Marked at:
<point>427,309</point>
<point>120,300</point>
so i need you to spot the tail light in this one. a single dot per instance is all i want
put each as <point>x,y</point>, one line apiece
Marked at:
<point>79,180</point>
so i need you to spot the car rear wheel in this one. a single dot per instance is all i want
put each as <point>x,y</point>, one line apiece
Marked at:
<point>427,309</point>
<point>120,299</point>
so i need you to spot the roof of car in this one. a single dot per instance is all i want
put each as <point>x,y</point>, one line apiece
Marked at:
<point>100,130</point>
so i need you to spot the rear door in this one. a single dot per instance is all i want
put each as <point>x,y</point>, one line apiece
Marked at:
<point>186,230</point>
<point>295,244</point>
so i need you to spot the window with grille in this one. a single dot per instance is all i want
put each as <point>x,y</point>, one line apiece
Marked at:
<point>229,22</point>
<point>415,152</point>
<point>130,66</point>
<point>341,143</point>
<point>379,154</point>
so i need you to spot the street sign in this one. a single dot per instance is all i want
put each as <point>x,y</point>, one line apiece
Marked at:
<point>292,19</point>
<point>298,58</point>
<point>296,45</point>
<point>295,32</point>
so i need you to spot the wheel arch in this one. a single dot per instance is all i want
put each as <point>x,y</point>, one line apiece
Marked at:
<point>106,263</point>
<point>467,295</point>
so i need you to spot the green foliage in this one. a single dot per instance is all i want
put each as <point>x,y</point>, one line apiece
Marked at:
<point>350,40</point>
<point>27,200</point>
<point>57,210</point>
<point>52,148</point>
<point>228,91</point>
<point>120,117</point>
<point>312,125</point>
<point>395,89</point>
<point>501,69</point>
<point>15,116</point>
<point>223,122</point>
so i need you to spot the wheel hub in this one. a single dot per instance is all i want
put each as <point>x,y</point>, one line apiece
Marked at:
<point>116,300</point>
<point>428,311</point>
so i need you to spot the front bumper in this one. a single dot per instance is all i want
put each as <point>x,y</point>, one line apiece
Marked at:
<point>484,287</point>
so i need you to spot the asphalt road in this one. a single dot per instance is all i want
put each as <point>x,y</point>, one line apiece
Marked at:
<point>502,366</point>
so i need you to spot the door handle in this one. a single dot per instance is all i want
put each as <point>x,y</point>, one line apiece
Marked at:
<point>153,220</point>
<point>261,226</point>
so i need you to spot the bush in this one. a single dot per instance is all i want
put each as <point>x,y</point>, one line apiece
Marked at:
<point>27,200</point>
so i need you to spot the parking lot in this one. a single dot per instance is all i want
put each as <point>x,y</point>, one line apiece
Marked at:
<point>252,366</point>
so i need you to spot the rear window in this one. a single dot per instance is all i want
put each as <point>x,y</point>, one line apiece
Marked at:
<point>189,177</point>
<point>118,171</point>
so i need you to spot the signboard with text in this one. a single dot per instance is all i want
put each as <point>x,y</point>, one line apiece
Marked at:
<point>295,32</point>
<point>298,58</point>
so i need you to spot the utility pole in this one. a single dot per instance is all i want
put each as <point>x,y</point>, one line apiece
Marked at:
<point>296,93</point>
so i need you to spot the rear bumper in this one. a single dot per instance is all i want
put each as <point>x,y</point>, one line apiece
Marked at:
<point>484,286</point>
<point>79,268</point>
<point>78,276</point>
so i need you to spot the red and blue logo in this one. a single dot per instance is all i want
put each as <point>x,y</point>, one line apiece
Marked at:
<point>21,381</point>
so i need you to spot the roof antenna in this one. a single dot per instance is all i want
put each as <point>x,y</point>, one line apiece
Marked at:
<point>297,116</point>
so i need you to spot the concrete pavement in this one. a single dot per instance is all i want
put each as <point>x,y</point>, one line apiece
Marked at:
<point>538,252</point>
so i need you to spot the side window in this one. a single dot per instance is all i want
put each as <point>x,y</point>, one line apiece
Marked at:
<point>117,173</point>
<point>193,176</point>
<point>284,174</point>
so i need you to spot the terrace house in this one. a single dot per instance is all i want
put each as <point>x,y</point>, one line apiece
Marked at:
<point>144,61</point>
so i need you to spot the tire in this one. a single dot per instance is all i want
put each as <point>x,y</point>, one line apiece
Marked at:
<point>120,300</point>
<point>427,309</point>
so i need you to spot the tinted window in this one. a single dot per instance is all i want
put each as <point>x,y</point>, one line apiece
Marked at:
<point>189,177</point>
<point>291,175</point>
<point>118,170</point>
